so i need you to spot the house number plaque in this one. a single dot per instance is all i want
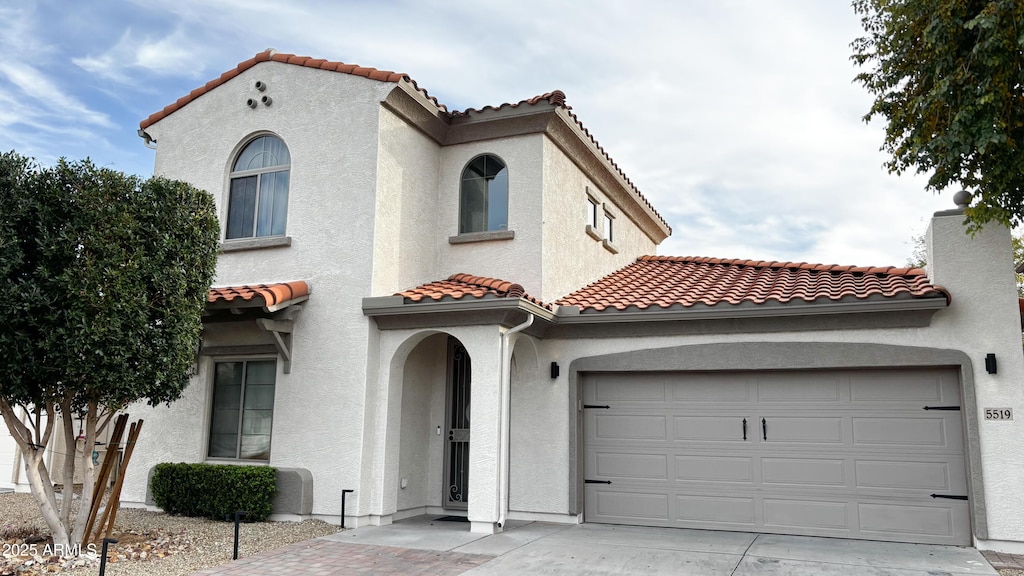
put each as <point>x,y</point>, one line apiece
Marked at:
<point>998,413</point>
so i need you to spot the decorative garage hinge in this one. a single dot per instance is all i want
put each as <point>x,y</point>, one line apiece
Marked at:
<point>949,497</point>
<point>281,330</point>
<point>597,481</point>
<point>602,406</point>
<point>941,407</point>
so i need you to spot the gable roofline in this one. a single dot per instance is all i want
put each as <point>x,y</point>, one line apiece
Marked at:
<point>305,61</point>
<point>438,120</point>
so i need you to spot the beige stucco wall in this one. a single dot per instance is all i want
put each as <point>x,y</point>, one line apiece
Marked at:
<point>423,411</point>
<point>571,257</point>
<point>329,122</point>
<point>517,260</point>
<point>406,246</point>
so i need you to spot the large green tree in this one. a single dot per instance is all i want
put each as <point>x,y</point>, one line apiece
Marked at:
<point>948,75</point>
<point>103,279</point>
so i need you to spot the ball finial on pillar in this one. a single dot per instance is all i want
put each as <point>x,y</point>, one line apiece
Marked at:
<point>962,199</point>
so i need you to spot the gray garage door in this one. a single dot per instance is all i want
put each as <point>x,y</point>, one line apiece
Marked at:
<point>850,454</point>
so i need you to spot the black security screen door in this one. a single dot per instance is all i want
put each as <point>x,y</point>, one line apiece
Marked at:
<point>457,447</point>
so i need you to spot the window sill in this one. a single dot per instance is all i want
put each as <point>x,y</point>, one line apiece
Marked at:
<point>610,247</point>
<point>237,245</point>
<point>482,236</point>
<point>593,233</point>
<point>236,461</point>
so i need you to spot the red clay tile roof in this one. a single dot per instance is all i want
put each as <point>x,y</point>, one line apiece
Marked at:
<point>271,56</point>
<point>661,282</point>
<point>556,97</point>
<point>260,294</point>
<point>458,286</point>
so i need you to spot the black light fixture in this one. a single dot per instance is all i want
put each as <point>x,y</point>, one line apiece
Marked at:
<point>990,363</point>
<point>554,369</point>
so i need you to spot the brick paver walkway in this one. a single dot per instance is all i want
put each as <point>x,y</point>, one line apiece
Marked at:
<point>1001,561</point>
<point>328,558</point>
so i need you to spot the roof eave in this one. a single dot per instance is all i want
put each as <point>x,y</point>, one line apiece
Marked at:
<point>729,311</point>
<point>397,306</point>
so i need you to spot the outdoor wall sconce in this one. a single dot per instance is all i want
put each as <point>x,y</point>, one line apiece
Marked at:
<point>554,369</point>
<point>990,363</point>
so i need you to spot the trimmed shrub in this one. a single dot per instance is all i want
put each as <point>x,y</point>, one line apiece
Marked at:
<point>214,491</point>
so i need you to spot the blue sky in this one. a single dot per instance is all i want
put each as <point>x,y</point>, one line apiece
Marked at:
<point>739,120</point>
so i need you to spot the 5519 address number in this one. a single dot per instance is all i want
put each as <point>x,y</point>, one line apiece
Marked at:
<point>998,413</point>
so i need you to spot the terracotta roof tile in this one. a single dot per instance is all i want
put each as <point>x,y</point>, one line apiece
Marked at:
<point>459,286</point>
<point>662,282</point>
<point>260,294</point>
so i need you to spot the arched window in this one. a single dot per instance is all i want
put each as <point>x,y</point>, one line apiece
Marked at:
<point>258,199</point>
<point>483,198</point>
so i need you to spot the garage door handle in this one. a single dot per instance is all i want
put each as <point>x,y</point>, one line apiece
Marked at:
<point>597,481</point>
<point>744,428</point>
<point>764,428</point>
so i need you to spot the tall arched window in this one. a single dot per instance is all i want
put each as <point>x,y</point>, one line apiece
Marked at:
<point>483,198</point>
<point>258,199</point>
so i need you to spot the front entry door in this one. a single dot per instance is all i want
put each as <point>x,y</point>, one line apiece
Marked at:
<point>456,452</point>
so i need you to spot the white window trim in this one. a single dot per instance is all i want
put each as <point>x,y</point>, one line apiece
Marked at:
<point>593,216</point>
<point>608,240</point>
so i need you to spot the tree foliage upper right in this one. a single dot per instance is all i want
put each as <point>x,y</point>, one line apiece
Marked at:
<point>948,75</point>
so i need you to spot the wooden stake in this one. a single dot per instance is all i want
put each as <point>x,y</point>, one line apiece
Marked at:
<point>110,513</point>
<point>101,479</point>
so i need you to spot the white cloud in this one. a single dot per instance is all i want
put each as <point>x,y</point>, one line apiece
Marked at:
<point>45,92</point>
<point>172,55</point>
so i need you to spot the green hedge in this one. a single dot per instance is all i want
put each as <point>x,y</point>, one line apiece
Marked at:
<point>214,491</point>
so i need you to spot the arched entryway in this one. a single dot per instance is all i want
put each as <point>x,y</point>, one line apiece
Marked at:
<point>434,436</point>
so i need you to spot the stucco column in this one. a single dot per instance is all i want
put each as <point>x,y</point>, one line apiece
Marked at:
<point>484,428</point>
<point>978,271</point>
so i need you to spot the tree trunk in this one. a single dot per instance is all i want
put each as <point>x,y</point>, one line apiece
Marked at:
<point>70,447</point>
<point>33,448</point>
<point>88,480</point>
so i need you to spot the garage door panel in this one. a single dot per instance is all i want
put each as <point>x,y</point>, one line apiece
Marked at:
<point>703,468</point>
<point>804,430</point>
<point>848,453</point>
<point>715,509</point>
<point>924,387</point>
<point>726,428</point>
<point>895,520</point>
<point>909,432</point>
<point>641,466</point>
<point>803,471</point>
<point>711,388</point>
<point>643,388</point>
<point>803,514</point>
<point>939,476</point>
<point>630,427</point>
<point>806,387</point>
<point>610,505</point>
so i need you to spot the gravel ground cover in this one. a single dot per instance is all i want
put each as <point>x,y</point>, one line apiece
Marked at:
<point>149,543</point>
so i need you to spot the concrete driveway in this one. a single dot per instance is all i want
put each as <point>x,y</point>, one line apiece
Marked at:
<point>426,545</point>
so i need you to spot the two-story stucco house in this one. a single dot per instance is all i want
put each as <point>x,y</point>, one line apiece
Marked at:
<point>462,313</point>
